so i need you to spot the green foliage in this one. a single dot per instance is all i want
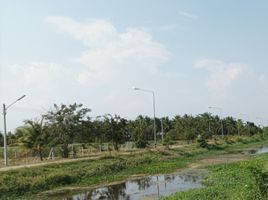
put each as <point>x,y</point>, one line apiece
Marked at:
<point>142,131</point>
<point>19,183</point>
<point>64,123</point>
<point>33,136</point>
<point>168,138</point>
<point>141,143</point>
<point>115,128</point>
<point>202,142</point>
<point>1,139</point>
<point>68,124</point>
<point>241,180</point>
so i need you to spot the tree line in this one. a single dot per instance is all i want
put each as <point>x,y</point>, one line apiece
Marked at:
<point>68,124</point>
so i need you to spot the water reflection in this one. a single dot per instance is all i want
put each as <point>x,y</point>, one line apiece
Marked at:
<point>149,188</point>
<point>112,192</point>
<point>262,150</point>
<point>259,151</point>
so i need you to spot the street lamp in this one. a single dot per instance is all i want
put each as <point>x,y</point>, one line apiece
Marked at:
<point>152,92</point>
<point>211,107</point>
<point>5,129</point>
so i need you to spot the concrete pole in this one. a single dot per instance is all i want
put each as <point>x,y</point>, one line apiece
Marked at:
<point>162,131</point>
<point>154,121</point>
<point>5,128</point>
<point>5,135</point>
<point>152,92</point>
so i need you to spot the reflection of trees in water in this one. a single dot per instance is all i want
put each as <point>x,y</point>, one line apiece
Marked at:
<point>169,177</point>
<point>113,192</point>
<point>143,183</point>
<point>252,151</point>
<point>185,177</point>
<point>118,192</point>
<point>190,178</point>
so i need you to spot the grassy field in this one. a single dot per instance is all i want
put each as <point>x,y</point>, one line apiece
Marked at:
<point>19,155</point>
<point>29,183</point>
<point>247,180</point>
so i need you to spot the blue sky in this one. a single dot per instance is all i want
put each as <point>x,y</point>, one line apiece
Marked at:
<point>193,54</point>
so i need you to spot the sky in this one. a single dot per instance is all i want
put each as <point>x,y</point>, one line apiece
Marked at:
<point>193,54</point>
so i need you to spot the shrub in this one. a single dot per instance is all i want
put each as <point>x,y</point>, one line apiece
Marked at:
<point>202,142</point>
<point>141,143</point>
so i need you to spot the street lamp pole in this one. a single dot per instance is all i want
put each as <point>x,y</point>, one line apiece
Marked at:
<point>5,135</point>
<point>162,131</point>
<point>209,128</point>
<point>218,108</point>
<point>5,128</point>
<point>152,92</point>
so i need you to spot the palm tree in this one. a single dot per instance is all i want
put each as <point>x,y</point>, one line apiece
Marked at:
<point>34,137</point>
<point>230,125</point>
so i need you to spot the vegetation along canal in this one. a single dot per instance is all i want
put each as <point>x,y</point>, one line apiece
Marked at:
<point>149,187</point>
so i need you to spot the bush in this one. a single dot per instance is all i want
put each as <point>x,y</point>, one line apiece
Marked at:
<point>168,140</point>
<point>202,142</point>
<point>141,143</point>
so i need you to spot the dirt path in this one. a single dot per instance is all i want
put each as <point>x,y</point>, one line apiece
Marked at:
<point>225,158</point>
<point>69,160</point>
<point>47,163</point>
<point>218,159</point>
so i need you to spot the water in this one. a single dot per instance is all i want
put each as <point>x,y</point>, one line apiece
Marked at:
<point>259,151</point>
<point>262,150</point>
<point>147,188</point>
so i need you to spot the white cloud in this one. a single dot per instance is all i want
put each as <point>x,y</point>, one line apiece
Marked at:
<point>94,33</point>
<point>113,58</point>
<point>188,15</point>
<point>101,77</point>
<point>221,75</point>
<point>40,79</point>
<point>43,84</point>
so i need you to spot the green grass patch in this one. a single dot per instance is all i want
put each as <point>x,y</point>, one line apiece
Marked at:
<point>26,183</point>
<point>242,180</point>
<point>29,181</point>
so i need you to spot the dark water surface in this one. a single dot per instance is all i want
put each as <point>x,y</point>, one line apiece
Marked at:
<point>259,151</point>
<point>146,188</point>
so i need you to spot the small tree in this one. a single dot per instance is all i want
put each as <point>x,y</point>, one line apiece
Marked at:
<point>116,130</point>
<point>64,123</point>
<point>190,135</point>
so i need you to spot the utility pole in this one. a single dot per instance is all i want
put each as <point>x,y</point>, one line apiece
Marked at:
<point>162,131</point>
<point>5,135</point>
<point>152,92</point>
<point>5,128</point>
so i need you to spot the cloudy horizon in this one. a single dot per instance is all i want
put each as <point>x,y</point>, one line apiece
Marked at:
<point>93,52</point>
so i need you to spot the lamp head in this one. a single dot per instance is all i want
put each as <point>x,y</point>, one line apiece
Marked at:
<point>21,97</point>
